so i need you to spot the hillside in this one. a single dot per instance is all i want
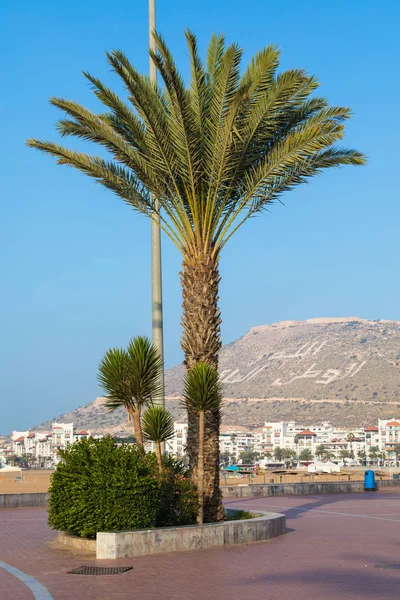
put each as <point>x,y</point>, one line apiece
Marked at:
<point>346,370</point>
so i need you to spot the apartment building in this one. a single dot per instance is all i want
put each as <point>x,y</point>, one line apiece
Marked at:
<point>45,445</point>
<point>235,439</point>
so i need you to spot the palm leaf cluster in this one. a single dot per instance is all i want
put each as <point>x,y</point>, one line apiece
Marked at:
<point>213,153</point>
<point>157,424</point>
<point>131,377</point>
<point>158,427</point>
<point>202,389</point>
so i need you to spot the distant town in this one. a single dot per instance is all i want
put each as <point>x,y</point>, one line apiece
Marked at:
<point>285,443</point>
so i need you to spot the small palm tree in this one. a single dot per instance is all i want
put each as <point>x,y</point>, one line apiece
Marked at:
<point>202,394</point>
<point>158,427</point>
<point>131,379</point>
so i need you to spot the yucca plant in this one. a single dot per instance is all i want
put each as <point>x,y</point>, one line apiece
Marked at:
<point>131,379</point>
<point>158,427</point>
<point>214,153</point>
<point>202,394</point>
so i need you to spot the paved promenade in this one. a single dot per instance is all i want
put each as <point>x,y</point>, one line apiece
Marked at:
<point>338,547</point>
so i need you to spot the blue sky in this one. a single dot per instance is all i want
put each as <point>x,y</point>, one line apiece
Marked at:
<point>75,268</point>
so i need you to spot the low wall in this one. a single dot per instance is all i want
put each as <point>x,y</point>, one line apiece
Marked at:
<point>24,500</point>
<point>77,543</point>
<point>125,544</point>
<point>298,489</point>
<point>228,491</point>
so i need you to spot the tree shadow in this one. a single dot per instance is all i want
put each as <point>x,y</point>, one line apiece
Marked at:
<point>316,502</point>
<point>333,582</point>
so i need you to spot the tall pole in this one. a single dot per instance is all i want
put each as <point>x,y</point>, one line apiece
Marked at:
<point>156,275</point>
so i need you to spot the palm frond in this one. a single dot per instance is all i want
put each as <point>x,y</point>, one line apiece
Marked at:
<point>131,377</point>
<point>157,424</point>
<point>214,152</point>
<point>114,377</point>
<point>202,388</point>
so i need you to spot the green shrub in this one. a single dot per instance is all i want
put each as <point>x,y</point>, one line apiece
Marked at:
<point>240,515</point>
<point>99,486</point>
<point>178,499</point>
<point>176,465</point>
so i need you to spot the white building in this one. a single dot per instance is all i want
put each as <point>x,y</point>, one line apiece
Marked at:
<point>176,446</point>
<point>233,440</point>
<point>46,445</point>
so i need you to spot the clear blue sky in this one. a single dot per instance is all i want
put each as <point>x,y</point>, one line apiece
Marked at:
<point>75,267</point>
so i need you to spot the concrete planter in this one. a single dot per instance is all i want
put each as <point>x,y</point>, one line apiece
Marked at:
<point>125,544</point>
<point>77,543</point>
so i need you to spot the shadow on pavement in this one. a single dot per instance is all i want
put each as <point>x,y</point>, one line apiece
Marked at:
<point>314,502</point>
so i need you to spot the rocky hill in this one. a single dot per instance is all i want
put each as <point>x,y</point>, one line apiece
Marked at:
<point>346,370</point>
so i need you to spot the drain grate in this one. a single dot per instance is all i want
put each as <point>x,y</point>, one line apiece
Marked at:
<point>387,566</point>
<point>85,570</point>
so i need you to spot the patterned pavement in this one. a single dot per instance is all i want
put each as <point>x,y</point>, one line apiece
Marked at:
<point>337,547</point>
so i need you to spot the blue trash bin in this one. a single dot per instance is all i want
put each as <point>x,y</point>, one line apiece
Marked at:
<point>369,481</point>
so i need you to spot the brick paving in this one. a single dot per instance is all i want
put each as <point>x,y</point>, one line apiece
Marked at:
<point>331,551</point>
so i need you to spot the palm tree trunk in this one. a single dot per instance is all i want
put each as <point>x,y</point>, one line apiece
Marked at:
<point>159,456</point>
<point>201,342</point>
<point>200,469</point>
<point>137,425</point>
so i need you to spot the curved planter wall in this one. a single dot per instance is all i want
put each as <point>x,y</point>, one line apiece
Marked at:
<point>124,544</point>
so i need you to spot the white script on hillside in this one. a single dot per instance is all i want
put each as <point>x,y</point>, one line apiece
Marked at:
<point>321,376</point>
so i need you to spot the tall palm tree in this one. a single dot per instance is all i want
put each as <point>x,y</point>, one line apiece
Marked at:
<point>214,154</point>
<point>350,438</point>
<point>203,395</point>
<point>278,454</point>
<point>373,453</point>
<point>131,379</point>
<point>361,455</point>
<point>158,427</point>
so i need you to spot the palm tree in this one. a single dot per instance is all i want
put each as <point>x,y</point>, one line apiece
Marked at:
<point>344,453</point>
<point>306,455</point>
<point>296,441</point>
<point>202,394</point>
<point>131,379</point>
<point>361,455</point>
<point>374,453</point>
<point>278,454</point>
<point>158,427</point>
<point>320,451</point>
<point>214,154</point>
<point>288,456</point>
<point>350,438</point>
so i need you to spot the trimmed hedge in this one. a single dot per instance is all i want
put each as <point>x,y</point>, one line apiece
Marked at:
<point>100,486</point>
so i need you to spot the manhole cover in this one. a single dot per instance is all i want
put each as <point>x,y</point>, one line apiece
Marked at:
<point>84,570</point>
<point>387,566</point>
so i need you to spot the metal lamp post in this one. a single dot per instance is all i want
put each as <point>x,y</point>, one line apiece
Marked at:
<point>156,274</point>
